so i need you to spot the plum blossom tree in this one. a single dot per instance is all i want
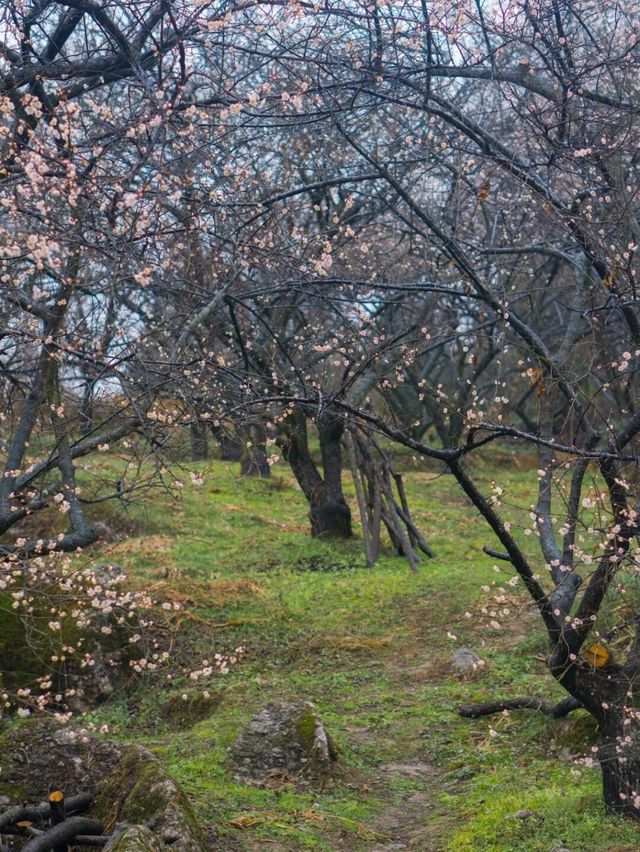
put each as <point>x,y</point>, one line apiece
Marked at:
<point>498,143</point>
<point>88,95</point>
<point>417,220</point>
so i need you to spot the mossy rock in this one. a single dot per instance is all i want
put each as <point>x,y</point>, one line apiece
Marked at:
<point>140,791</point>
<point>180,713</point>
<point>136,838</point>
<point>285,741</point>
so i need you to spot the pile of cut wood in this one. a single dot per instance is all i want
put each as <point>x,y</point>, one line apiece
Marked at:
<point>51,826</point>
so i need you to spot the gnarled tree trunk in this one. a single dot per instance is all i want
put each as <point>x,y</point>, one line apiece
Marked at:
<point>329,512</point>
<point>608,694</point>
<point>619,758</point>
<point>330,515</point>
<point>606,689</point>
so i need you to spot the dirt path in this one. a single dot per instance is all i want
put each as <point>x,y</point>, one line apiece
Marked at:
<point>412,819</point>
<point>403,822</point>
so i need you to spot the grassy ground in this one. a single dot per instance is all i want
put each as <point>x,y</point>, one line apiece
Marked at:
<point>371,649</point>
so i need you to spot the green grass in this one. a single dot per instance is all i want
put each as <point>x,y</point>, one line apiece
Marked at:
<point>369,647</point>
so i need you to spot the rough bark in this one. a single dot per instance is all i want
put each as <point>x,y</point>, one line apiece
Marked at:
<point>253,460</point>
<point>329,514</point>
<point>619,758</point>
<point>608,693</point>
<point>230,443</point>
<point>198,441</point>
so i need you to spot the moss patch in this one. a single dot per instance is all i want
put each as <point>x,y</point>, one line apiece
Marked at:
<point>181,711</point>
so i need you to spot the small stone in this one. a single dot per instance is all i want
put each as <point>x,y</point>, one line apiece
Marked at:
<point>408,770</point>
<point>284,741</point>
<point>559,847</point>
<point>465,662</point>
<point>525,813</point>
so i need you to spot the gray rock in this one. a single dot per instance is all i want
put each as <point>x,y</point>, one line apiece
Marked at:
<point>98,682</point>
<point>559,847</point>
<point>284,741</point>
<point>136,838</point>
<point>465,662</point>
<point>525,813</point>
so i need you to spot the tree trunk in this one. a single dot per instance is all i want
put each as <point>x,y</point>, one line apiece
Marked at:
<point>619,758</point>
<point>254,453</point>
<point>199,442</point>
<point>608,693</point>
<point>230,443</point>
<point>86,412</point>
<point>329,513</point>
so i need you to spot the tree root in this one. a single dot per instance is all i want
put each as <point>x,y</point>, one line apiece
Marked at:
<point>557,711</point>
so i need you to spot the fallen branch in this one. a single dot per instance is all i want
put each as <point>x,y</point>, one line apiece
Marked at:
<point>62,833</point>
<point>557,711</point>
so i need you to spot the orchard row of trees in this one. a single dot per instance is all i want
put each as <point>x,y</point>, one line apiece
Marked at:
<point>412,221</point>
